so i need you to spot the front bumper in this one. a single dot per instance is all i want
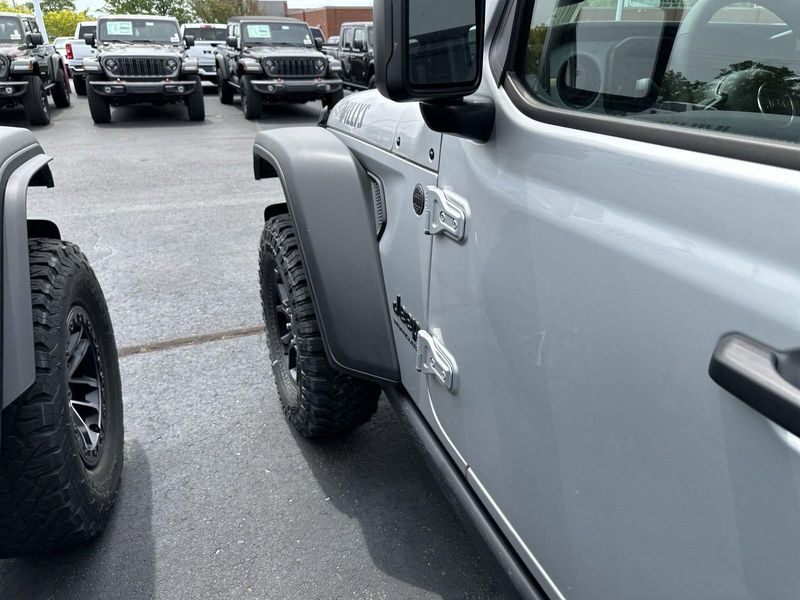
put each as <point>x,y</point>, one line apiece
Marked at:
<point>12,89</point>
<point>208,70</point>
<point>272,87</point>
<point>159,88</point>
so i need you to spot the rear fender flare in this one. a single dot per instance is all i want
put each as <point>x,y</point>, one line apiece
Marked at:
<point>329,200</point>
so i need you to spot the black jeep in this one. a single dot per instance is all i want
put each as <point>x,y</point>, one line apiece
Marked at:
<point>275,59</point>
<point>141,59</point>
<point>29,69</point>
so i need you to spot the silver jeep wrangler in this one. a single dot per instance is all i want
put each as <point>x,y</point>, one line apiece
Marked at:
<point>562,238</point>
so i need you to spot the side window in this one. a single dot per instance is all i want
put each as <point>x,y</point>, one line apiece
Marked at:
<point>26,26</point>
<point>347,35</point>
<point>33,25</point>
<point>705,64</point>
<point>360,38</point>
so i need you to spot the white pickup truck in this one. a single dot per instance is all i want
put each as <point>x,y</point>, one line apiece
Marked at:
<point>75,50</point>
<point>207,36</point>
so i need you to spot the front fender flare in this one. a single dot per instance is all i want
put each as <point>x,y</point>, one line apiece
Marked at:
<point>27,167</point>
<point>329,200</point>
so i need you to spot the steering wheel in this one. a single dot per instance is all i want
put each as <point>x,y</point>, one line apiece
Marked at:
<point>687,40</point>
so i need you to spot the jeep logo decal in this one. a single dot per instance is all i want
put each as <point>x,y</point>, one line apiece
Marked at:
<point>407,320</point>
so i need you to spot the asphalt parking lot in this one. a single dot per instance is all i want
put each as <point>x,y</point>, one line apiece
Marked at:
<point>219,499</point>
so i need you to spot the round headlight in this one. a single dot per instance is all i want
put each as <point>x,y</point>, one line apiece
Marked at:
<point>171,65</point>
<point>270,66</point>
<point>112,66</point>
<point>320,64</point>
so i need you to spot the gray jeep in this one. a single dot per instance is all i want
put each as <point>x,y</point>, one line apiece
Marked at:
<point>562,237</point>
<point>275,59</point>
<point>61,429</point>
<point>141,59</point>
<point>30,70</point>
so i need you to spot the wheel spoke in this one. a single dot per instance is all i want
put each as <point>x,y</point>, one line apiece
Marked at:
<point>89,437</point>
<point>287,338</point>
<point>90,381</point>
<point>75,359</point>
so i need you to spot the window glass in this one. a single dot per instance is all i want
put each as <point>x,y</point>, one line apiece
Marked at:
<point>206,33</point>
<point>276,34</point>
<point>84,29</point>
<point>728,68</point>
<point>348,38</point>
<point>360,37</point>
<point>10,30</point>
<point>33,25</point>
<point>371,36</point>
<point>139,31</point>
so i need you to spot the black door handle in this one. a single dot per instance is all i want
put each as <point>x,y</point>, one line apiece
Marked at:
<point>765,379</point>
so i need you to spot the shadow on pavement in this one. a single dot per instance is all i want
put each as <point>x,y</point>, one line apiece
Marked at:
<point>97,570</point>
<point>377,476</point>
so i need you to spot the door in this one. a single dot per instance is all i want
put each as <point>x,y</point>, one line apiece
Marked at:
<point>597,275</point>
<point>346,54</point>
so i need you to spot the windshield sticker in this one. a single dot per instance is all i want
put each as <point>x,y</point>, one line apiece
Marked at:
<point>258,31</point>
<point>119,28</point>
<point>285,27</point>
<point>16,36</point>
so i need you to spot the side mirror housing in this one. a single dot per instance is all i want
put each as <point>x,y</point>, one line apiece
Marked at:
<point>89,40</point>
<point>35,39</point>
<point>318,43</point>
<point>232,42</point>
<point>188,40</point>
<point>428,51</point>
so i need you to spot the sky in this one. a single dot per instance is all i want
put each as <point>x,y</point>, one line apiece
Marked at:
<point>94,5</point>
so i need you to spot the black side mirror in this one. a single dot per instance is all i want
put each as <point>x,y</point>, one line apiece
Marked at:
<point>89,39</point>
<point>35,39</point>
<point>428,51</point>
<point>232,42</point>
<point>188,40</point>
<point>318,43</point>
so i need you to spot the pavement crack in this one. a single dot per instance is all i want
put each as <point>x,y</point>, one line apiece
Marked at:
<point>189,341</point>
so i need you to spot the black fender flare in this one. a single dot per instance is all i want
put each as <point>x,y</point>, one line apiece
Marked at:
<point>329,200</point>
<point>54,67</point>
<point>222,65</point>
<point>27,167</point>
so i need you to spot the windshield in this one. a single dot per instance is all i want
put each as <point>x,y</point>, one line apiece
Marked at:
<point>207,33</point>
<point>139,31</point>
<point>279,34</point>
<point>10,30</point>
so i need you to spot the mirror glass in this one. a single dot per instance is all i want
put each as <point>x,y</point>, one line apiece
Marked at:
<point>442,46</point>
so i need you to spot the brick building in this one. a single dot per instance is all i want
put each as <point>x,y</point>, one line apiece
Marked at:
<point>331,18</point>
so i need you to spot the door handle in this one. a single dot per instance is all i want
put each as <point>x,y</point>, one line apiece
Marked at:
<point>765,379</point>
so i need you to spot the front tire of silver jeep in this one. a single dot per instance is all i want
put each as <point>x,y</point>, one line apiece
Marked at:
<point>318,400</point>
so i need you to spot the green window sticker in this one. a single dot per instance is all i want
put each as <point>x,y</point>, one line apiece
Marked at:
<point>255,30</point>
<point>119,28</point>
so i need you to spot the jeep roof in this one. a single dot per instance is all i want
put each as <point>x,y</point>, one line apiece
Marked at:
<point>262,18</point>
<point>357,24</point>
<point>204,25</point>
<point>14,14</point>
<point>149,17</point>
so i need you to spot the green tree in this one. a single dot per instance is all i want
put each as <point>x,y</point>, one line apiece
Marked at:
<point>63,22</point>
<point>180,9</point>
<point>57,5</point>
<point>219,11</point>
<point>6,6</point>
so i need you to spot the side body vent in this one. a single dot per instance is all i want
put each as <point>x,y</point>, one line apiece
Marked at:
<point>378,204</point>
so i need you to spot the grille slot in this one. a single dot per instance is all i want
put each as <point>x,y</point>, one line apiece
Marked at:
<point>142,67</point>
<point>378,203</point>
<point>294,67</point>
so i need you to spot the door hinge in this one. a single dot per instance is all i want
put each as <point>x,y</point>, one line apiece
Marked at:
<point>434,359</point>
<point>444,214</point>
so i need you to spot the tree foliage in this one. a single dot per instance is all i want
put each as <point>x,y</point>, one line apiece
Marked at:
<point>63,22</point>
<point>219,11</point>
<point>49,6</point>
<point>180,9</point>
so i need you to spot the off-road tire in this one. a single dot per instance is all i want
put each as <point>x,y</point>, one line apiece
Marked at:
<point>35,102</point>
<point>333,99</point>
<point>251,100</point>
<point>49,498</point>
<point>224,88</point>
<point>195,103</point>
<point>99,107</point>
<point>323,402</point>
<point>80,85</point>
<point>61,91</point>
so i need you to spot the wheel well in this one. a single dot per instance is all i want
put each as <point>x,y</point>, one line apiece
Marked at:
<point>39,228</point>
<point>275,209</point>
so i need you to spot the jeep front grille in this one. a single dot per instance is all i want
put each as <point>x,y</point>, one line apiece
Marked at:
<point>142,67</point>
<point>293,67</point>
